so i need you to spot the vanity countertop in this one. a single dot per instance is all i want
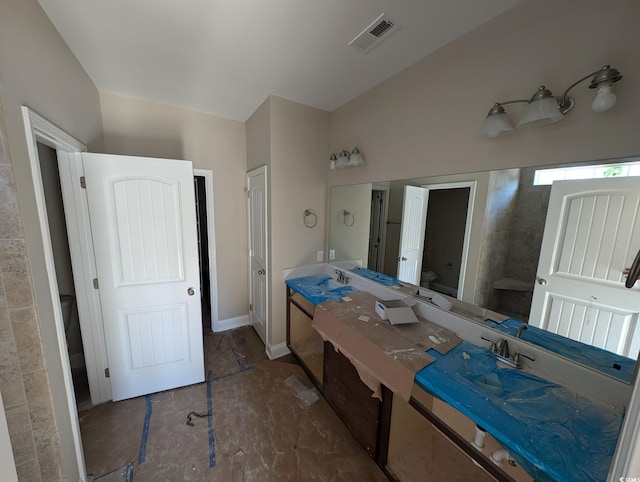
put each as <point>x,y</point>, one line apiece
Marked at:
<point>318,288</point>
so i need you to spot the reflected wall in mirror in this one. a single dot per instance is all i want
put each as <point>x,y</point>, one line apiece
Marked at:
<point>478,237</point>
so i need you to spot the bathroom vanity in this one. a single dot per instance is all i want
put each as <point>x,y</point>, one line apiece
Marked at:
<point>414,395</point>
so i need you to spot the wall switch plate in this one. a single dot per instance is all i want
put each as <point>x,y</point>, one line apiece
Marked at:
<point>332,254</point>
<point>319,256</point>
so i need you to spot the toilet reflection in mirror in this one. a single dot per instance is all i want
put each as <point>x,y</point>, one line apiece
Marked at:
<point>574,287</point>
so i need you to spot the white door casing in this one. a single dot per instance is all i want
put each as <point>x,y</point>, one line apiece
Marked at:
<point>144,233</point>
<point>258,250</point>
<point>592,233</point>
<point>414,219</point>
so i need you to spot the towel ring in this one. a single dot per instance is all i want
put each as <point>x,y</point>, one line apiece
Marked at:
<point>310,218</point>
<point>348,218</point>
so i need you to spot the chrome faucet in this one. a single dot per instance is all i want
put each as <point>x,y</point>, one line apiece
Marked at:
<point>500,348</point>
<point>342,279</point>
<point>521,328</point>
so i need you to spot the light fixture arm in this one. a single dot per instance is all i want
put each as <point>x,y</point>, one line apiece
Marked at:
<point>566,102</point>
<point>603,76</point>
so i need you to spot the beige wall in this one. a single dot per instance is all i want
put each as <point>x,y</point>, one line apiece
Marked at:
<point>292,140</point>
<point>299,150</point>
<point>139,128</point>
<point>38,70</point>
<point>258,140</point>
<point>426,120</point>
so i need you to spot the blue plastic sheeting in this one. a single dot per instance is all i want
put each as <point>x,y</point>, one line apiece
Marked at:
<point>319,288</point>
<point>381,278</point>
<point>604,361</point>
<point>554,433</point>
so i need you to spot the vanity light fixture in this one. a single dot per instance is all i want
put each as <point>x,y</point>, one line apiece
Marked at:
<point>344,159</point>
<point>544,108</point>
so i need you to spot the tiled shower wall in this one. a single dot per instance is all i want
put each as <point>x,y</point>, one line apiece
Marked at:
<point>24,381</point>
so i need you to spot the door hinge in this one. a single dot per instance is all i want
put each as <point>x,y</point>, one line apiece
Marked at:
<point>83,182</point>
<point>106,372</point>
<point>250,307</point>
<point>95,284</point>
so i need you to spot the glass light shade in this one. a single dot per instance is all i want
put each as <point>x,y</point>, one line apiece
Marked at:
<point>333,160</point>
<point>343,159</point>
<point>496,125</point>
<point>540,112</point>
<point>356,158</point>
<point>605,99</point>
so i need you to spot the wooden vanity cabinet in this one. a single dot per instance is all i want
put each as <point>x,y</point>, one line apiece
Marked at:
<point>303,341</point>
<point>365,416</point>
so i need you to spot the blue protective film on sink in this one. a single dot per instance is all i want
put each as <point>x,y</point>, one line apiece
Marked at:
<point>381,278</point>
<point>604,361</point>
<point>319,288</point>
<point>552,432</point>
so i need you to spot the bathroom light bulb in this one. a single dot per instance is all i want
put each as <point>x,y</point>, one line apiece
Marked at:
<point>605,99</point>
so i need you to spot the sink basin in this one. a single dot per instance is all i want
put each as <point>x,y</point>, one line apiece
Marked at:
<point>329,285</point>
<point>553,432</point>
<point>319,288</point>
<point>489,383</point>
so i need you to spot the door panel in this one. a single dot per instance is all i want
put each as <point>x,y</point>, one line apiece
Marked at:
<point>591,234</point>
<point>414,219</point>
<point>258,257</point>
<point>144,231</point>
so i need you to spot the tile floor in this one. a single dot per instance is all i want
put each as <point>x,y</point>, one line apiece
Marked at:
<point>258,429</point>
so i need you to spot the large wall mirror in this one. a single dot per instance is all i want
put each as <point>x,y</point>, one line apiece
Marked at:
<point>545,246</point>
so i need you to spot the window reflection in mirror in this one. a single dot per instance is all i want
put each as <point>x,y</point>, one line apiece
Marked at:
<point>497,264</point>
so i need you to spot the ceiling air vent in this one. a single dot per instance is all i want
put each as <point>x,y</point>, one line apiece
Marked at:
<point>372,35</point>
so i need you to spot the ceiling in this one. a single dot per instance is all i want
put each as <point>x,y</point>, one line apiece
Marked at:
<point>224,57</point>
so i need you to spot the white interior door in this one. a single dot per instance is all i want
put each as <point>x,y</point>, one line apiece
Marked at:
<point>414,219</point>
<point>591,234</point>
<point>258,252</point>
<point>142,213</point>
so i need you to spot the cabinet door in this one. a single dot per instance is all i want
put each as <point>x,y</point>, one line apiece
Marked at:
<point>351,399</point>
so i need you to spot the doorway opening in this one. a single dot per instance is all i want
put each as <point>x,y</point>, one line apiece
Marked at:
<point>444,239</point>
<point>203,251</point>
<point>51,185</point>
<point>68,294</point>
<point>378,228</point>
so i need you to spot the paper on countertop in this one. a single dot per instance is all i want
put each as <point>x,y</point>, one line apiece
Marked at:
<point>381,352</point>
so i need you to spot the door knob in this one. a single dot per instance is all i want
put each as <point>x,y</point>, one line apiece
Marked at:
<point>402,258</point>
<point>261,271</point>
<point>542,281</point>
<point>191,291</point>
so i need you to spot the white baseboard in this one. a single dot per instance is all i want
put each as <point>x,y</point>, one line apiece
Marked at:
<point>231,323</point>
<point>276,351</point>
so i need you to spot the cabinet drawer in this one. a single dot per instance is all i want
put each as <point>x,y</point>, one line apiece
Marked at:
<point>347,373</point>
<point>360,422</point>
<point>302,302</point>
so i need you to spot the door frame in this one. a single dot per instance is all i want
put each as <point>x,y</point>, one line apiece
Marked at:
<point>211,233</point>
<point>467,228</point>
<point>39,129</point>
<point>256,172</point>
